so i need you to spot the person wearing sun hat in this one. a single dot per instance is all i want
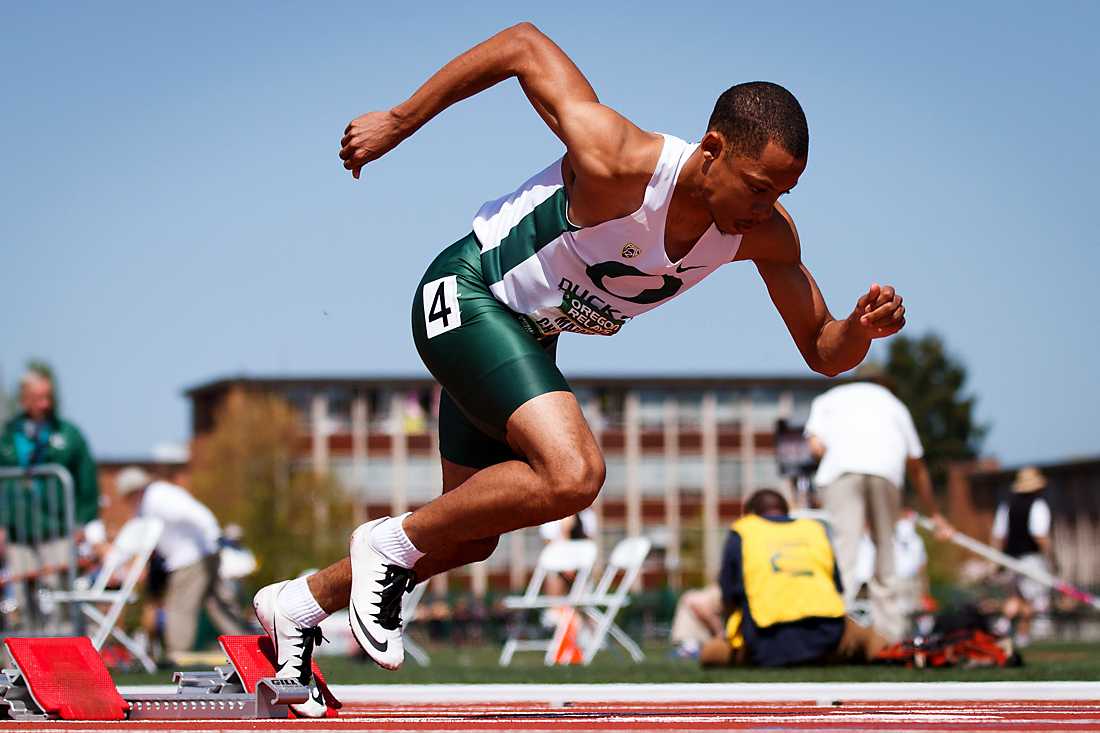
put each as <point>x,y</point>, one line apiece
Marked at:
<point>1021,529</point>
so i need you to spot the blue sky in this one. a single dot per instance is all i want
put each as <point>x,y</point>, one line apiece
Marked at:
<point>173,210</point>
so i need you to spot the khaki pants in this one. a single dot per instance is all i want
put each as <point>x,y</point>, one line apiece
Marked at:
<point>25,559</point>
<point>855,501</point>
<point>687,626</point>
<point>857,646</point>
<point>193,587</point>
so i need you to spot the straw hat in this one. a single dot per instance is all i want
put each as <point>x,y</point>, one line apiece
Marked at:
<point>1028,479</point>
<point>131,479</point>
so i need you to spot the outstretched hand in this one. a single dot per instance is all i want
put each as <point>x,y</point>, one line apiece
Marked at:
<point>880,311</point>
<point>944,530</point>
<point>369,137</point>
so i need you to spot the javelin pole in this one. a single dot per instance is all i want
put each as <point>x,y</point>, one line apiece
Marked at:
<point>996,556</point>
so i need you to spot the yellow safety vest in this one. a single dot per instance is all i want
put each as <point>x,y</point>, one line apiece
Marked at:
<point>787,570</point>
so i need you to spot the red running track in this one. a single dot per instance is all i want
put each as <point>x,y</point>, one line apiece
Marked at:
<point>912,716</point>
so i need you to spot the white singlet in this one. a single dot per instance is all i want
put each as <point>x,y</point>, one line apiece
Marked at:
<point>590,279</point>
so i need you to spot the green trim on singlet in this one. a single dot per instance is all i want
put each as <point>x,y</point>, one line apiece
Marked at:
<point>545,223</point>
<point>488,365</point>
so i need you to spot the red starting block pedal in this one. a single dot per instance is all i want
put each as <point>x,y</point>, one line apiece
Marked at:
<point>67,678</point>
<point>253,657</point>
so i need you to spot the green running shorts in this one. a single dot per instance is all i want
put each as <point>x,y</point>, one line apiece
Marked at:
<point>476,347</point>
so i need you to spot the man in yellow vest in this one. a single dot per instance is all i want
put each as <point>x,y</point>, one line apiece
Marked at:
<point>781,588</point>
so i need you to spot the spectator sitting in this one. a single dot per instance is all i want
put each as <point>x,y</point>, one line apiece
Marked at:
<point>698,618</point>
<point>781,586</point>
<point>38,536</point>
<point>190,549</point>
<point>910,566</point>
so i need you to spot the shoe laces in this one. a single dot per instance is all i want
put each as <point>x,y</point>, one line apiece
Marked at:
<point>395,583</point>
<point>310,638</point>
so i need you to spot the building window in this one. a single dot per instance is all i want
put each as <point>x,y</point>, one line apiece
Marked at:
<point>729,476</point>
<point>349,476</point>
<point>339,410</point>
<point>729,408</point>
<point>615,483</point>
<point>301,400</point>
<point>689,472</point>
<point>651,406</point>
<point>611,407</point>
<point>766,472</point>
<point>765,409</point>
<point>689,405</point>
<point>425,479</point>
<point>801,410</point>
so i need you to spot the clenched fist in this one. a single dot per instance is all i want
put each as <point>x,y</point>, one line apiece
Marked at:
<point>369,137</point>
<point>879,311</point>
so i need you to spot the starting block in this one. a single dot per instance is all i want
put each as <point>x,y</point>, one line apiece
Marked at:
<point>65,678</point>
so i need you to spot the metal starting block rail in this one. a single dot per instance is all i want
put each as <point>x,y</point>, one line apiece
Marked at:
<point>66,679</point>
<point>196,698</point>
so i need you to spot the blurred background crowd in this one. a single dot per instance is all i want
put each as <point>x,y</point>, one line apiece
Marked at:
<point>279,470</point>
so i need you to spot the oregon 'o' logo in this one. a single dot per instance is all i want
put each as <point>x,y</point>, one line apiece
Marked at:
<point>603,275</point>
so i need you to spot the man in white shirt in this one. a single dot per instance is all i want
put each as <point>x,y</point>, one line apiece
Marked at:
<point>910,559</point>
<point>190,548</point>
<point>866,441</point>
<point>1021,529</point>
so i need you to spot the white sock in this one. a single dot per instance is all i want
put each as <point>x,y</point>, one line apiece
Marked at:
<point>388,538</point>
<point>297,602</point>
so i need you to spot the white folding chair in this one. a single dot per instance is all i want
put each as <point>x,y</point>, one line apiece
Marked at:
<point>129,554</point>
<point>408,614</point>
<point>568,556</point>
<point>605,600</point>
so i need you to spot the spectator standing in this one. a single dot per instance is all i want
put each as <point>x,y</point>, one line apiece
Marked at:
<point>190,549</point>
<point>34,523</point>
<point>1021,529</point>
<point>867,442</point>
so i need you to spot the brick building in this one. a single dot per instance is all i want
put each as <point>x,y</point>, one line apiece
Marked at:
<point>681,454</point>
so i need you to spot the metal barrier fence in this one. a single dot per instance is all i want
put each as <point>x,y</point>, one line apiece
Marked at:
<point>37,514</point>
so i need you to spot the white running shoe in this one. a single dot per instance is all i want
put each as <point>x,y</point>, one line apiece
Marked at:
<point>377,588</point>
<point>293,648</point>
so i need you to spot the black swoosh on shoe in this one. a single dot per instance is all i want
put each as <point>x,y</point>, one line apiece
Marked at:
<point>380,646</point>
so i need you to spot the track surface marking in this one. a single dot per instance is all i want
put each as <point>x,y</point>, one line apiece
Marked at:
<point>686,716</point>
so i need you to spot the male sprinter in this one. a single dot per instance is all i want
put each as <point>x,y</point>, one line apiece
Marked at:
<point>624,221</point>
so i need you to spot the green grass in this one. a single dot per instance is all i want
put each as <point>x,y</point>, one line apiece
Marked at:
<point>478,664</point>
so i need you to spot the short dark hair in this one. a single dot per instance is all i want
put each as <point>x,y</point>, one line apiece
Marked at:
<point>751,114</point>
<point>767,501</point>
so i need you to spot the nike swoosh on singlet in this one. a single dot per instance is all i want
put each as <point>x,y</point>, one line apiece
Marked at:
<point>680,269</point>
<point>380,646</point>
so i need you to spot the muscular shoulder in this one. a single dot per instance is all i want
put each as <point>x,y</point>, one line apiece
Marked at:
<point>775,241</point>
<point>606,168</point>
<point>605,145</point>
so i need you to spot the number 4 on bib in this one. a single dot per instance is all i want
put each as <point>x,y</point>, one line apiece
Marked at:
<point>441,313</point>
